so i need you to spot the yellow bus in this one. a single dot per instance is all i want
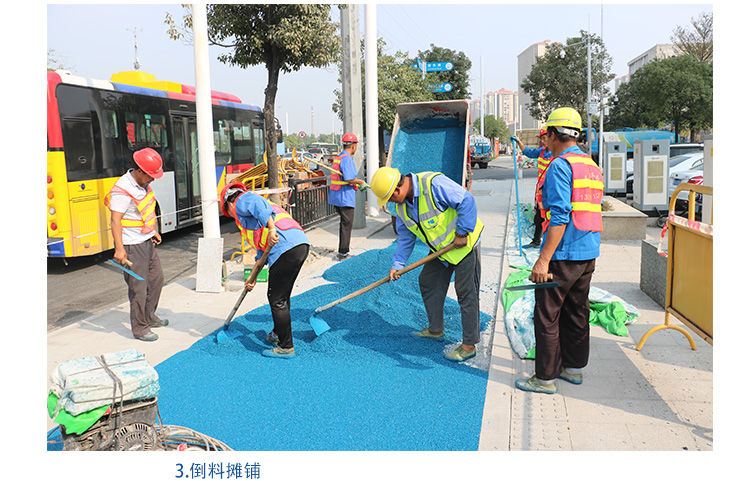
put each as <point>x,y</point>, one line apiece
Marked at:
<point>93,128</point>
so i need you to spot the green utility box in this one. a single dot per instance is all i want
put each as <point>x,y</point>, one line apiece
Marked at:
<point>262,275</point>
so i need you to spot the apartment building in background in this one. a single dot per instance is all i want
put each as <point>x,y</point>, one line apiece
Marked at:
<point>526,61</point>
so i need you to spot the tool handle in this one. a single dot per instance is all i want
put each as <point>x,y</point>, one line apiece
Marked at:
<point>387,278</point>
<point>335,171</point>
<point>253,275</point>
<point>128,262</point>
<point>549,277</point>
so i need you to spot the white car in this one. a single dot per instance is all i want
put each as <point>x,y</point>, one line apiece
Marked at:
<point>693,176</point>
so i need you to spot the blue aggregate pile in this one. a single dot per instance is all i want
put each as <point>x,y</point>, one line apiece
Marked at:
<point>430,145</point>
<point>367,384</point>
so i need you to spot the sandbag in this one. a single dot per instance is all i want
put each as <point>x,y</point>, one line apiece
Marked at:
<point>90,382</point>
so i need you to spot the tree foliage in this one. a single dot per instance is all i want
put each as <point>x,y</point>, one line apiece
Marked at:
<point>698,41</point>
<point>561,79</point>
<point>494,128</point>
<point>398,82</point>
<point>676,89</point>
<point>458,76</point>
<point>282,37</point>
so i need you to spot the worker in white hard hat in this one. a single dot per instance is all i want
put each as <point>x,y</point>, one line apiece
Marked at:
<point>135,235</point>
<point>446,214</point>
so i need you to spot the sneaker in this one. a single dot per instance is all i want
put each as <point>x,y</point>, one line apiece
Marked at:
<point>273,338</point>
<point>160,323</point>
<point>279,352</point>
<point>534,243</point>
<point>532,384</point>
<point>151,336</point>
<point>460,354</point>
<point>574,378</point>
<point>341,256</point>
<point>430,335</point>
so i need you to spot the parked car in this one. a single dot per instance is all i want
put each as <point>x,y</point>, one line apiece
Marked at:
<point>678,163</point>
<point>693,176</point>
<point>687,148</point>
<point>322,154</point>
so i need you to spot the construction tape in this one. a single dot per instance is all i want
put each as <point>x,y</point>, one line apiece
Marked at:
<point>694,225</point>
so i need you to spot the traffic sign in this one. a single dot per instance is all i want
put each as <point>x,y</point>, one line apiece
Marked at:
<point>434,66</point>
<point>444,87</point>
<point>302,134</point>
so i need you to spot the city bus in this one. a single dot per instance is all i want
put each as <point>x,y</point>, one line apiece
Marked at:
<point>93,128</point>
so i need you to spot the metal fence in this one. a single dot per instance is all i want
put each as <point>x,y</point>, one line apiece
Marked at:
<point>308,202</point>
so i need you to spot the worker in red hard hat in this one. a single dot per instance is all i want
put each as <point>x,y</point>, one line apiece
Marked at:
<point>265,225</point>
<point>135,234</point>
<point>543,157</point>
<point>344,186</point>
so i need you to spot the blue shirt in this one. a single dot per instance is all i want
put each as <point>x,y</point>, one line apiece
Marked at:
<point>534,153</point>
<point>447,195</point>
<point>346,196</point>
<point>557,192</point>
<point>253,212</point>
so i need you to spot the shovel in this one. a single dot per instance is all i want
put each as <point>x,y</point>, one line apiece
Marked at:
<point>315,320</point>
<point>539,285</point>
<point>336,171</point>
<point>224,333</point>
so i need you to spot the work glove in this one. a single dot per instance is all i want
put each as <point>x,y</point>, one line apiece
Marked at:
<point>363,187</point>
<point>514,138</point>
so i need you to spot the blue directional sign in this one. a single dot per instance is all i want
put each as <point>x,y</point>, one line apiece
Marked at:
<point>434,66</point>
<point>444,87</point>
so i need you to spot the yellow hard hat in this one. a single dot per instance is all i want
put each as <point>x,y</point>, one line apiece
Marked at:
<point>384,182</point>
<point>566,120</point>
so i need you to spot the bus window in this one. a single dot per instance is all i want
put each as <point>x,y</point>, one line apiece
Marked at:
<point>222,142</point>
<point>242,151</point>
<point>146,130</point>
<point>259,142</point>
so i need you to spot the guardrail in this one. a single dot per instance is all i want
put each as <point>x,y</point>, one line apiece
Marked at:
<point>308,201</point>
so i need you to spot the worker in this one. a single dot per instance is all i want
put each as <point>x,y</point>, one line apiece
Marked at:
<point>266,225</point>
<point>343,190</point>
<point>434,209</point>
<point>135,235</point>
<point>569,199</point>
<point>543,157</point>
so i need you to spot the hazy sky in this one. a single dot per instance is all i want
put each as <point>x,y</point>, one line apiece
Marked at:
<point>96,40</point>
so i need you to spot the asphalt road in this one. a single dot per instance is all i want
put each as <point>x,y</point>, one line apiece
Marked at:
<point>88,285</point>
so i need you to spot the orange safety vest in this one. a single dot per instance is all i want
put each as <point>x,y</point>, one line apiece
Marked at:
<point>146,205</point>
<point>258,238</point>
<point>586,198</point>
<point>542,163</point>
<point>337,181</point>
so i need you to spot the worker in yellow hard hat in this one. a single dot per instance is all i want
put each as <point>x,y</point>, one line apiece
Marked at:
<point>569,196</point>
<point>447,214</point>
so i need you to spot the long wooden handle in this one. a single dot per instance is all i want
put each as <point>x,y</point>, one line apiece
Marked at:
<point>387,278</point>
<point>326,167</point>
<point>253,275</point>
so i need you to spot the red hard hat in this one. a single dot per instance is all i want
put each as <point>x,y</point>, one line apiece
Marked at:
<point>149,161</point>
<point>228,190</point>
<point>349,138</point>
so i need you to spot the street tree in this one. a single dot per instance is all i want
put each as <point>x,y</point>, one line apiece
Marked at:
<point>282,37</point>
<point>676,89</point>
<point>458,76</point>
<point>494,128</point>
<point>398,82</point>
<point>559,78</point>
<point>698,41</point>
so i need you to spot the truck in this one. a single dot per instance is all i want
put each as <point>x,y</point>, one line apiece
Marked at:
<point>431,137</point>
<point>480,151</point>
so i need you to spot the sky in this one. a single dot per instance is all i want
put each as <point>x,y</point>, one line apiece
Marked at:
<point>97,40</point>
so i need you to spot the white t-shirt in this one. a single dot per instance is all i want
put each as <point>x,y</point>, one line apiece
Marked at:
<point>122,203</point>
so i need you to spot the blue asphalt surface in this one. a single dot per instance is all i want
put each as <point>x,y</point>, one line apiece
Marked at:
<point>366,384</point>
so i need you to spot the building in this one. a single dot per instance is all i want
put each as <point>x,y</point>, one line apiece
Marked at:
<point>657,52</point>
<point>500,104</point>
<point>620,81</point>
<point>526,60</point>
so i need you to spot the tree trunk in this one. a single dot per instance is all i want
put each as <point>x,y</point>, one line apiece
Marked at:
<point>381,147</point>
<point>269,115</point>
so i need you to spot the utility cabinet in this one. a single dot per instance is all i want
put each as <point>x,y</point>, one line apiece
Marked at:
<point>650,175</point>
<point>613,167</point>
